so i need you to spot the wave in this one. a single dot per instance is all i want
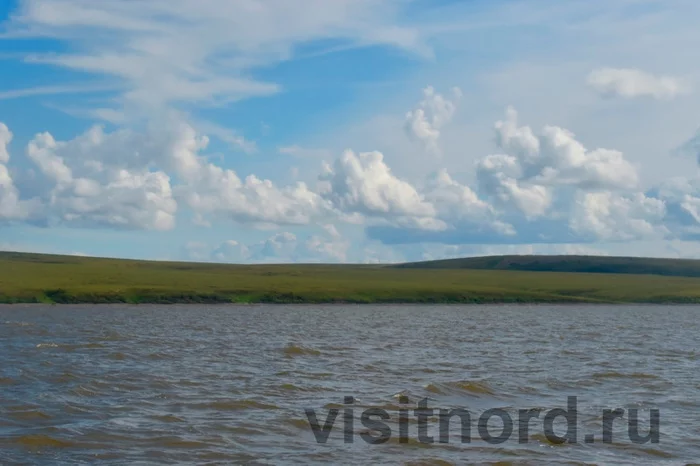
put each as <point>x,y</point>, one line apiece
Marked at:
<point>40,441</point>
<point>292,350</point>
<point>82,391</point>
<point>178,442</point>
<point>235,405</point>
<point>7,381</point>
<point>47,345</point>
<point>468,386</point>
<point>290,387</point>
<point>431,462</point>
<point>31,415</point>
<point>298,423</point>
<point>69,347</point>
<point>620,375</point>
<point>542,439</point>
<point>13,323</point>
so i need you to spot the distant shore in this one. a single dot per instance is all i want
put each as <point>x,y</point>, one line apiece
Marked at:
<point>37,278</point>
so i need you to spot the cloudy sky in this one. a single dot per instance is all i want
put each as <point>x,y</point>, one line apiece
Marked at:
<point>349,130</point>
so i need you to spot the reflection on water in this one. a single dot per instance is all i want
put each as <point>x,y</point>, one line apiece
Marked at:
<point>230,384</point>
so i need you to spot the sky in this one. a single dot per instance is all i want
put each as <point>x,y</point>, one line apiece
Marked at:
<point>359,131</point>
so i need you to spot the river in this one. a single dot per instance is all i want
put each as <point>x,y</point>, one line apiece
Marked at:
<point>243,384</point>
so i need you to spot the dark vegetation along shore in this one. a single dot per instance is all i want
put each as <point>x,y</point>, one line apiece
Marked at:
<point>37,278</point>
<point>578,264</point>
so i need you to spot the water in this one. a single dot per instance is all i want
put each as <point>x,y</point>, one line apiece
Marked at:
<point>230,384</point>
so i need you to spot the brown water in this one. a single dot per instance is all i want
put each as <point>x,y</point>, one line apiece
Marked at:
<point>229,384</point>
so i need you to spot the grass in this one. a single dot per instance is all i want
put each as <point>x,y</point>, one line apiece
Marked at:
<point>42,278</point>
<point>588,264</point>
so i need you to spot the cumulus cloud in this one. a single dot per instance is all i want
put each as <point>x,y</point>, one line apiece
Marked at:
<point>11,207</point>
<point>423,124</point>
<point>682,199</point>
<point>220,192</point>
<point>139,179</point>
<point>147,57</point>
<point>629,83</point>
<point>9,197</point>
<point>211,190</point>
<point>609,216</point>
<point>527,175</point>
<point>135,180</point>
<point>539,187</point>
<point>94,180</point>
<point>364,184</point>
<point>460,207</point>
<point>499,177</point>
<point>5,140</point>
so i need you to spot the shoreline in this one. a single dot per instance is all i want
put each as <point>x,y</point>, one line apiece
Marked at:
<point>467,301</point>
<point>4,305</point>
<point>41,279</point>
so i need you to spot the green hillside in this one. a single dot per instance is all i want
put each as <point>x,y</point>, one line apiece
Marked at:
<point>581,264</point>
<point>70,279</point>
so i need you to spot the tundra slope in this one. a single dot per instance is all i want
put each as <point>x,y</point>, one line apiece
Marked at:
<point>31,278</point>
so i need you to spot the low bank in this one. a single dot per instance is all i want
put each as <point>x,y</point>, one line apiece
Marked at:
<point>38,278</point>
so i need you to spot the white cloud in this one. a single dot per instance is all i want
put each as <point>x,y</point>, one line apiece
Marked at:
<point>9,198</point>
<point>134,180</point>
<point>11,207</point>
<point>363,184</point>
<point>220,192</point>
<point>433,112</point>
<point>607,216</point>
<point>95,180</point>
<point>328,247</point>
<point>322,250</point>
<point>557,158</point>
<point>137,180</point>
<point>457,204</point>
<point>231,251</point>
<point>682,199</point>
<point>565,161</point>
<point>211,190</point>
<point>52,90</point>
<point>499,176</point>
<point>158,55</point>
<point>5,140</point>
<point>546,184</point>
<point>630,83</point>
<point>551,176</point>
<point>169,51</point>
<point>532,169</point>
<point>284,247</point>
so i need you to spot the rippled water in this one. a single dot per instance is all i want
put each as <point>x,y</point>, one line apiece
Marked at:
<point>230,384</point>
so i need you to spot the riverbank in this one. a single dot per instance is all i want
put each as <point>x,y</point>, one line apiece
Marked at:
<point>38,278</point>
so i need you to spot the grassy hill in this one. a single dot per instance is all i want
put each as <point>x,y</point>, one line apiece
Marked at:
<point>71,279</point>
<point>579,264</point>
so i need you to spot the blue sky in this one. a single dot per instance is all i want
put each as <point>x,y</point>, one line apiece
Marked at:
<point>349,131</point>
